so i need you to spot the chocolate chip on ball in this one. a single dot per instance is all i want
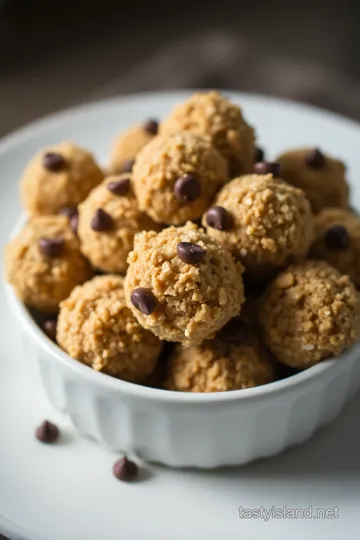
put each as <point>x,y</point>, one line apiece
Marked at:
<point>143,300</point>
<point>127,165</point>
<point>119,187</point>
<point>54,162</point>
<point>187,188</point>
<point>49,327</point>
<point>219,218</point>
<point>267,167</point>
<point>51,247</point>
<point>102,221</point>
<point>151,126</point>
<point>190,253</point>
<point>337,238</point>
<point>315,159</point>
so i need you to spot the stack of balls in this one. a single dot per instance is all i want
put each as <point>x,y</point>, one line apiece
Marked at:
<point>194,240</point>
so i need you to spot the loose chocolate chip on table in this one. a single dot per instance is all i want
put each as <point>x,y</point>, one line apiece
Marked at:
<point>259,155</point>
<point>119,187</point>
<point>51,247</point>
<point>315,159</point>
<point>267,167</point>
<point>54,162</point>
<point>151,126</point>
<point>219,218</point>
<point>190,253</point>
<point>49,328</point>
<point>102,221</point>
<point>47,432</point>
<point>68,211</point>
<point>337,237</point>
<point>235,331</point>
<point>144,300</point>
<point>125,469</point>
<point>127,166</point>
<point>187,188</point>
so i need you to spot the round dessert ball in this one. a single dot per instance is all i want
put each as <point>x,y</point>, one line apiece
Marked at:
<point>181,284</point>
<point>96,328</point>
<point>209,114</point>
<point>320,176</point>
<point>175,177</point>
<point>218,365</point>
<point>309,313</point>
<point>58,177</point>
<point>44,262</point>
<point>337,241</point>
<point>129,143</point>
<point>109,218</point>
<point>264,222</point>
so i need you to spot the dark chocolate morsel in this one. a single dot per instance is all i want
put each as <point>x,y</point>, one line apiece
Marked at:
<point>219,218</point>
<point>49,328</point>
<point>315,159</point>
<point>119,187</point>
<point>68,211</point>
<point>337,238</point>
<point>187,188</point>
<point>267,167</point>
<point>51,247</point>
<point>127,166</point>
<point>190,253</point>
<point>126,470</point>
<point>151,126</point>
<point>144,300</point>
<point>102,221</point>
<point>54,162</point>
<point>47,432</point>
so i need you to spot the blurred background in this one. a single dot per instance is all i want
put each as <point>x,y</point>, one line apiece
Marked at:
<point>58,54</point>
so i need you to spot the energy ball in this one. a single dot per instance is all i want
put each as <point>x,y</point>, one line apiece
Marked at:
<point>182,285</point>
<point>96,328</point>
<point>109,218</point>
<point>321,177</point>
<point>44,262</point>
<point>175,177</point>
<point>309,313</point>
<point>209,114</point>
<point>218,365</point>
<point>128,144</point>
<point>337,241</point>
<point>58,177</point>
<point>264,222</point>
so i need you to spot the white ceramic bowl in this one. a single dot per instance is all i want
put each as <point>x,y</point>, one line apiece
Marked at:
<point>185,429</point>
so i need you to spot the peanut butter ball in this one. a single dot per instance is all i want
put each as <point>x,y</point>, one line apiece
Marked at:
<point>175,177</point>
<point>264,222</point>
<point>181,284</point>
<point>58,177</point>
<point>129,143</point>
<point>209,114</point>
<point>96,328</point>
<point>310,312</point>
<point>320,176</point>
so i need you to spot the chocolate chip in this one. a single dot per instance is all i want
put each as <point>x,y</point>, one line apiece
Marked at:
<point>337,238</point>
<point>68,211</point>
<point>190,253</point>
<point>315,159</point>
<point>219,218</point>
<point>151,126</point>
<point>47,432</point>
<point>267,167</point>
<point>49,328</point>
<point>144,300</point>
<point>259,155</point>
<point>54,162</point>
<point>187,188</point>
<point>126,470</point>
<point>74,223</point>
<point>235,331</point>
<point>101,222</point>
<point>119,187</point>
<point>52,247</point>
<point>127,166</point>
